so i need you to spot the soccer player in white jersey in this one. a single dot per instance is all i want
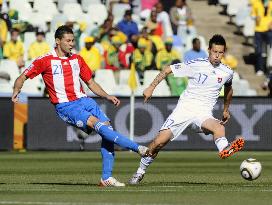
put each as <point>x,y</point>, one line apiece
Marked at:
<point>205,79</point>
<point>61,71</point>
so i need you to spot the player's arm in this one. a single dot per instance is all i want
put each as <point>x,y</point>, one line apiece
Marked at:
<point>228,91</point>
<point>18,84</point>
<point>98,90</point>
<point>162,75</point>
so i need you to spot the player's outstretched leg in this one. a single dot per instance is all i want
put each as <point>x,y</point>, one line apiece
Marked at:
<point>138,176</point>
<point>159,142</point>
<point>109,134</point>
<point>232,148</point>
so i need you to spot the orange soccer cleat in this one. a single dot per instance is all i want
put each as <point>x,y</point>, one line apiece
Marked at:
<point>235,146</point>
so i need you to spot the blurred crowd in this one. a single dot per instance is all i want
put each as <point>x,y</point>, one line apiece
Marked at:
<point>255,15</point>
<point>145,34</point>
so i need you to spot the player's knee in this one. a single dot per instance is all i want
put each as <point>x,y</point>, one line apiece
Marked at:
<point>91,121</point>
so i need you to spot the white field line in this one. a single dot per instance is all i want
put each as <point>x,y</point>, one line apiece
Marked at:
<point>52,203</point>
<point>62,203</point>
<point>112,189</point>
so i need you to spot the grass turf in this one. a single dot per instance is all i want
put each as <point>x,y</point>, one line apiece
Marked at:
<point>181,177</point>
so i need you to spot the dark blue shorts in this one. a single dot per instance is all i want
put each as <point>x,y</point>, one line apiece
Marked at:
<point>77,112</point>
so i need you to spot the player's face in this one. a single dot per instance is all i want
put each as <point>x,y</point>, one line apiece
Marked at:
<point>216,53</point>
<point>66,43</point>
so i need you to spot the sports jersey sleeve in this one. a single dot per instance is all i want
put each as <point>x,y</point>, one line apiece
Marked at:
<point>34,69</point>
<point>85,71</point>
<point>181,70</point>
<point>229,81</point>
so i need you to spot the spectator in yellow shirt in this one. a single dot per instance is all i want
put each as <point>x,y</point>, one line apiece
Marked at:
<point>262,12</point>
<point>91,54</point>
<point>168,55</point>
<point>3,31</point>
<point>14,49</point>
<point>142,58</point>
<point>39,47</point>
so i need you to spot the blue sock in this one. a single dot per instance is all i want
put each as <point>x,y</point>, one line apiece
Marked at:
<point>107,153</point>
<point>107,133</point>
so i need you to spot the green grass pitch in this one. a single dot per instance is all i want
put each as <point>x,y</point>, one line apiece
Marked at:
<point>180,177</point>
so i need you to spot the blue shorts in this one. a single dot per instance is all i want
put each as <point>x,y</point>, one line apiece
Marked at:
<point>77,112</point>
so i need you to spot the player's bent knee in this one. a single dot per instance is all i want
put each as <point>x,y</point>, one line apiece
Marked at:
<point>91,121</point>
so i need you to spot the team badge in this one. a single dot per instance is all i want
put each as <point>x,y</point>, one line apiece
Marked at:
<point>177,66</point>
<point>219,80</point>
<point>79,123</point>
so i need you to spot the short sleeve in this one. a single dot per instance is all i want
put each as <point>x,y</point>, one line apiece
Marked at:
<point>85,71</point>
<point>181,70</point>
<point>229,81</point>
<point>34,69</point>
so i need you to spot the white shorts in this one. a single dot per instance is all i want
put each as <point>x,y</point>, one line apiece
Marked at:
<point>186,115</point>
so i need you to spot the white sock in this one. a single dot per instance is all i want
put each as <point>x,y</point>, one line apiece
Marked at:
<point>221,143</point>
<point>145,162</point>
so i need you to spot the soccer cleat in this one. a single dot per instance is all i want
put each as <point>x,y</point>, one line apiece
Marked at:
<point>142,150</point>
<point>111,182</point>
<point>235,146</point>
<point>136,178</point>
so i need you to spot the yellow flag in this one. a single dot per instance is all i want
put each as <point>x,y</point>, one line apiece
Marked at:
<point>132,77</point>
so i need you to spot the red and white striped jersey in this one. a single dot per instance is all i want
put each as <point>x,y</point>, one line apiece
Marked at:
<point>61,76</point>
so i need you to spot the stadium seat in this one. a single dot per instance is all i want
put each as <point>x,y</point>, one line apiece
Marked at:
<point>241,16</point>
<point>29,38</point>
<point>86,3</point>
<point>122,90</point>
<point>105,78</point>
<point>33,87</point>
<point>234,6</point>
<point>5,87</point>
<point>223,2</point>
<point>124,76</point>
<point>11,68</point>
<point>162,89</point>
<point>23,7</point>
<point>50,39</point>
<point>61,3</point>
<point>251,92</point>
<point>249,28</point>
<point>49,12</point>
<point>57,20</point>
<point>97,13</point>
<point>73,11</point>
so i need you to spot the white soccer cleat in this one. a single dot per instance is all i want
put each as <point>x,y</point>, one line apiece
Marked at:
<point>111,182</point>
<point>142,150</point>
<point>136,178</point>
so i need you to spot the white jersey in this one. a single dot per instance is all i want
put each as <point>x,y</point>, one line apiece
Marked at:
<point>204,81</point>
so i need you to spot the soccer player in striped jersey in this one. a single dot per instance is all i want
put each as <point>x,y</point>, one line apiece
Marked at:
<point>206,76</point>
<point>61,71</point>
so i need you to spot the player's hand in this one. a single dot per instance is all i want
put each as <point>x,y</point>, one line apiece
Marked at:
<point>114,100</point>
<point>225,118</point>
<point>15,97</point>
<point>148,93</point>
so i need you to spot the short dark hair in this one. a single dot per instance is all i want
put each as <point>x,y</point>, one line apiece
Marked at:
<point>195,40</point>
<point>217,39</point>
<point>128,13</point>
<point>40,33</point>
<point>63,30</point>
<point>14,30</point>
